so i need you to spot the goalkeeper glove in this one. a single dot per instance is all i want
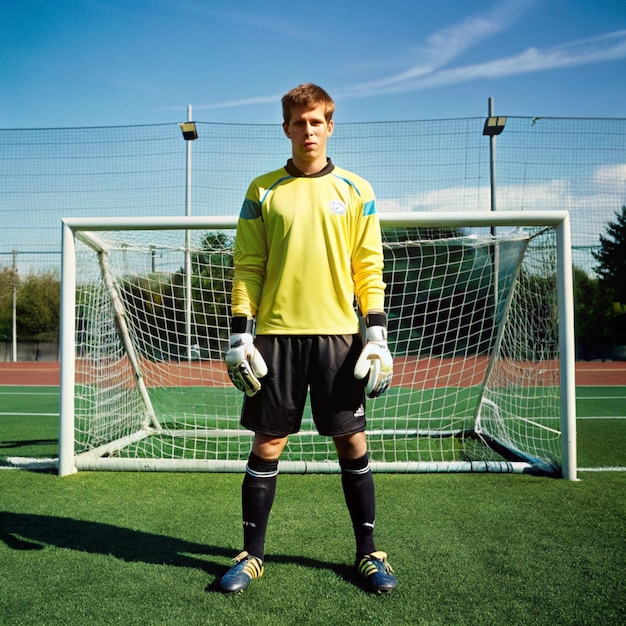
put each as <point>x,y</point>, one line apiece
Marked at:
<point>375,358</point>
<point>244,362</point>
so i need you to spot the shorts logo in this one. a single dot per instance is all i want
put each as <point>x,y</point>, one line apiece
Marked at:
<point>337,207</point>
<point>360,412</point>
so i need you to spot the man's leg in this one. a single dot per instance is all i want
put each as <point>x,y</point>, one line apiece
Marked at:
<point>257,496</point>
<point>257,491</point>
<point>358,488</point>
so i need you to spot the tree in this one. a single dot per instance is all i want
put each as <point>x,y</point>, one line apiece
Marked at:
<point>8,281</point>
<point>612,258</point>
<point>38,307</point>
<point>593,313</point>
<point>611,271</point>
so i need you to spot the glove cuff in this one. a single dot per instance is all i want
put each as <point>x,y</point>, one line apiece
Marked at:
<point>376,334</point>
<point>241,339</point>
<point>241,324</point>
<point>376,318</point>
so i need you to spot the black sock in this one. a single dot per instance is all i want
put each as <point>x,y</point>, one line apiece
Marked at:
<point>257,496</point>
<point>358,489</point>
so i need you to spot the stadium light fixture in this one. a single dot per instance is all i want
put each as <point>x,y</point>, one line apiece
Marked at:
<point>494,126</point>
<point>189,130</point>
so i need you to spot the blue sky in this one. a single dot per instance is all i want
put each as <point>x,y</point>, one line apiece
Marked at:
<point>119,62</point>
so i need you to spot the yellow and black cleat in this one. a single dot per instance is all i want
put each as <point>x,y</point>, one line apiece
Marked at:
<point>375,571</point>
<point>245,567</point>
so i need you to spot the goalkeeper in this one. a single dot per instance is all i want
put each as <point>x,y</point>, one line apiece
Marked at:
<point>308,244</point>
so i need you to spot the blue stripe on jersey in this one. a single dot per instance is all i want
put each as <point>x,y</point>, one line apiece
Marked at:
<point>250,210</point>
<point>369,208</point>
<point>349,182</point>
<point>280,180</point>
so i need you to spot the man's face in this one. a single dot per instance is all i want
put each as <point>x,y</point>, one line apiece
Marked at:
<point>308,131</point>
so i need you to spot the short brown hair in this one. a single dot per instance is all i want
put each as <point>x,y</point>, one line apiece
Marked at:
<point>308,95</point>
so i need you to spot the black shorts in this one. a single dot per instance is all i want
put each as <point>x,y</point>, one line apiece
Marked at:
<point>325,365</point>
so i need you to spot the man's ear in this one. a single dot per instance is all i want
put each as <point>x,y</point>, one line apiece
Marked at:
<point>331,127</point>
<point>286,130</point>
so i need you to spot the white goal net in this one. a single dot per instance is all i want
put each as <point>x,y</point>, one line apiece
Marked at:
<point>480,326</point>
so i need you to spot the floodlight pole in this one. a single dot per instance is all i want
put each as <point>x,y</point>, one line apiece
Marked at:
<point>493,127</point>
<point>14,310</point>
<point>492,163</point>
<point>189,137</point>
<point>492,184</point>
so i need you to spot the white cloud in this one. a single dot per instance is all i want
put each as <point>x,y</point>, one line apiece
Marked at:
<point>447,44</point>
<point>608,47</point>
<point>555,194</point>
<point>227,104</point>
<point>590,208</point>
<point>612,177</point>
<point>433,64</point>
<point>449,199</point>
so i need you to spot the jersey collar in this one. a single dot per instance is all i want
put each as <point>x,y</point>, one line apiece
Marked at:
<point>292,170</point>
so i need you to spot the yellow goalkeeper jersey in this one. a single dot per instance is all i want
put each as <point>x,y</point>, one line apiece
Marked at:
<point>306,247</point>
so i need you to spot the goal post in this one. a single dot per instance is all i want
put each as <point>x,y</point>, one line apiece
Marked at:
<point>480,326</point>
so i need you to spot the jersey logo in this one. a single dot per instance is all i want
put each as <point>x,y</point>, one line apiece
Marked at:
<point>337,207</point>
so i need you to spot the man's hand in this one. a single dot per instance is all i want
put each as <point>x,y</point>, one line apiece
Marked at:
<point>375,360</point>
<point>244,363</point>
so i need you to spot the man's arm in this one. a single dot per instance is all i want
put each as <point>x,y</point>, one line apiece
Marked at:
<point>244,363</point>
<point>249,258</point>
<point>375,360</point>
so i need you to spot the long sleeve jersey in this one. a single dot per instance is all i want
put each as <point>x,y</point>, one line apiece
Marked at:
<point>305,248</point>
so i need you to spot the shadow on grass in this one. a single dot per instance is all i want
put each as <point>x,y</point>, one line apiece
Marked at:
<point>22,531</point>
<point>22,443</point>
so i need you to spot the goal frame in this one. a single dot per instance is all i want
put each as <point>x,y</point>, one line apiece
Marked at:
<point>559,220</point>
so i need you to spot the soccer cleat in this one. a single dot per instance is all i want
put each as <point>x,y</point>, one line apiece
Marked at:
<point>245,568</point>
<point>376,572</point>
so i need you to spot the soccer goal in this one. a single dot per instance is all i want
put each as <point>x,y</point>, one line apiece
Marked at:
<point>480,326</point>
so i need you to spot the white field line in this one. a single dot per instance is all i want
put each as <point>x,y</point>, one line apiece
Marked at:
<point>32,414</point>
<point>27,463</point>
<point>600,417</point>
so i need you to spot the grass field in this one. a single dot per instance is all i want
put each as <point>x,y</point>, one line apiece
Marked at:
<point>147,548</point>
